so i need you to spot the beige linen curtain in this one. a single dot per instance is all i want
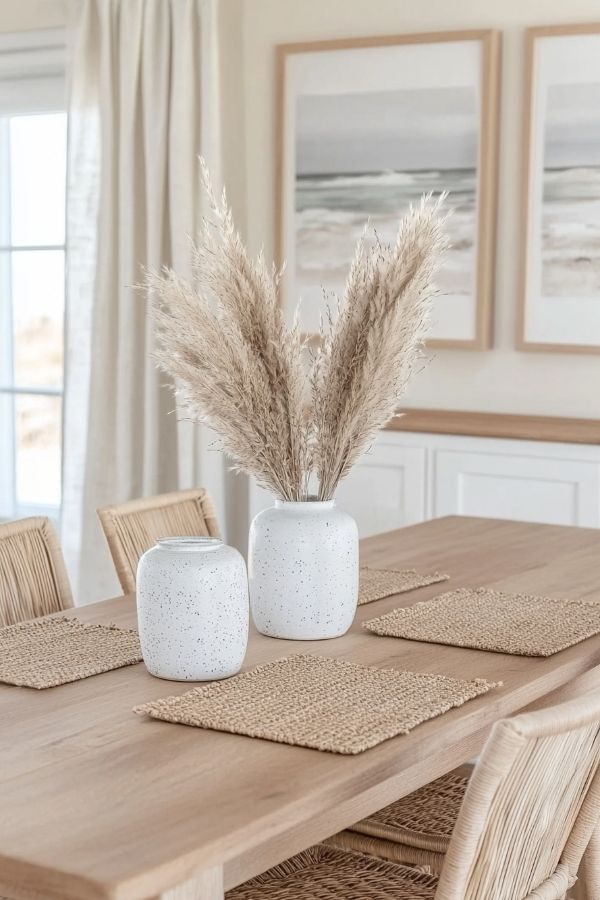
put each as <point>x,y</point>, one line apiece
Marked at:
<point>142,107</point>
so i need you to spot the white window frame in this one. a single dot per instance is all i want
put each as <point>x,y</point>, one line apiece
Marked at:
<point>32,80</point>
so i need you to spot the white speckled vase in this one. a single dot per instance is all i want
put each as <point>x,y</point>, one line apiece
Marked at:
<point>303,570</point>
<point>192,599</point>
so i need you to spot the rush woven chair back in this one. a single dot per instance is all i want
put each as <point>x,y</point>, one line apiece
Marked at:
<point>33,577</point>
<point>530,808</point>
<point>134,527</point>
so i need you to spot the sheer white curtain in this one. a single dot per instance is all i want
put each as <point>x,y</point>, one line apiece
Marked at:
<point>142,107</point>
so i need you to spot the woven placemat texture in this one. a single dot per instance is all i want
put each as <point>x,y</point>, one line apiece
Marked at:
<point>47,652</point>
<point>378,583</point>
<point>318,702</point>
<point>519,624</point>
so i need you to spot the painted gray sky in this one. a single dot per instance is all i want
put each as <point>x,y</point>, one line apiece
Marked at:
<point>572,126</point>
<point>428,128</point>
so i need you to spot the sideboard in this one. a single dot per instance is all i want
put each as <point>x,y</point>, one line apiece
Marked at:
<point>410,476</point>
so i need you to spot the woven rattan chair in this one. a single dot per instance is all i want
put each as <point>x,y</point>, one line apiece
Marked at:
<point>529,812</point>
<point>33,578</point>
<point>134,527</point>
<point>416,830</point>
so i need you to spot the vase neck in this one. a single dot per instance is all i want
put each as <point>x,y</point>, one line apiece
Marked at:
<point>305,506</point>
<point>190,543</point>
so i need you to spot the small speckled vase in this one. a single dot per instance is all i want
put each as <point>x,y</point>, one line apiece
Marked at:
<point>303,570</point>
<point>192,599</point>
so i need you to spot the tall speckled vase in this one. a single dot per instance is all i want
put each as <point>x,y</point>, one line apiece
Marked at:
<point>193,616</point>
<point>303,570</point>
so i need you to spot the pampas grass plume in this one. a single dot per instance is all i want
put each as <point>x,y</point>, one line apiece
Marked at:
<point>242,370</point>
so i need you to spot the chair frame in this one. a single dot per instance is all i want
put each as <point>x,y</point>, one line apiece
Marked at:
<point>110,515</point>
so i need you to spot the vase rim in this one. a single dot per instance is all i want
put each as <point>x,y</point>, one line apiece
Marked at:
<point>311,503</point>
<point>189,543</point>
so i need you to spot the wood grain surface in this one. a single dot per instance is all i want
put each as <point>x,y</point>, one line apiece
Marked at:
<point>99,803</point>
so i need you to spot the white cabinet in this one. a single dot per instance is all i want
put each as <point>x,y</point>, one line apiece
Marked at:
<point>408,477</point>
<point>388,488</point>
<point>518,484</point>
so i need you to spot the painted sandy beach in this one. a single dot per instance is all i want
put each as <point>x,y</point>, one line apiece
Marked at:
<point>570,215</point>
<point>364,158</point>
<point>571,232</point>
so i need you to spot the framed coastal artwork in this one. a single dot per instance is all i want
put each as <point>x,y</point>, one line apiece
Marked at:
<point>560,287</point>
<point>365,127</point>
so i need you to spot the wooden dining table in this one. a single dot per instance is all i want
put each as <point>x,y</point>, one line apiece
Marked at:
<point>96,802</point>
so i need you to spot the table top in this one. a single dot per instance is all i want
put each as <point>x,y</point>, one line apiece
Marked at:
<point>97,802</point>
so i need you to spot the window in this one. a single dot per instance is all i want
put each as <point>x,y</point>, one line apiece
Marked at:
<point>33,126</point>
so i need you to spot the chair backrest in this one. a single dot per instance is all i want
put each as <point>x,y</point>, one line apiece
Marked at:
<point>530,808</point>
<point>33,577</point>
<point>134,527</point>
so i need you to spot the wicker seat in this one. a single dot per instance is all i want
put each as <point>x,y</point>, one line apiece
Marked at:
<point>324,873</point>
<point>415,830</point>
<point>529,812</point>
<point>33,577</point>
<point>134,527</point>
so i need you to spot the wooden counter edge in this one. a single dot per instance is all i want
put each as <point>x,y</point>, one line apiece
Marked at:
<point>497,425</point>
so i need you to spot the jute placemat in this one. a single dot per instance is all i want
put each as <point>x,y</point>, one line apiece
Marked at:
<point>318,702</point>
<point>520,624</point>
<point>47,652</point>
<point>375,584</point>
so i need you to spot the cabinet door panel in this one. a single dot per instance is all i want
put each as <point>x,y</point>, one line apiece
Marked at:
<point>508,486</point>
<point>387,489</point>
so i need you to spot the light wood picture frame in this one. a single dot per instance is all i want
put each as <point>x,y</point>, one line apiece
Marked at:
<point>559,294</point>
<point>386,119</point>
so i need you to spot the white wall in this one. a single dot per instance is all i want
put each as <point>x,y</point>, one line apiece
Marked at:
<point>501,380</point>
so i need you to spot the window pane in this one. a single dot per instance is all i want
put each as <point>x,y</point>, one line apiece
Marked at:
<point>7,471</point>
<point>38,171</point>
<point>38,444</point>
<point>38,301</point>
<point>6,364</point>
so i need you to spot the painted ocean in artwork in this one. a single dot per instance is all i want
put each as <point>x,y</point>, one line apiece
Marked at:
<point>570,218</point>
<point>365,157</point>
<point>331,212</point>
